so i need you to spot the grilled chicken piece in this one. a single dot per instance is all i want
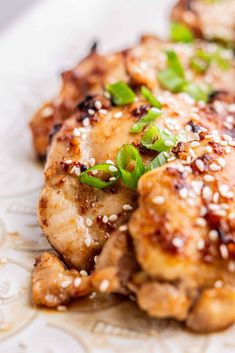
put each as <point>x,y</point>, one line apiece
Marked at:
<point>138,65</point>
<point>183,231</point>
<point>77,219</point>
<point>54,285</point>
<point>211,20</point>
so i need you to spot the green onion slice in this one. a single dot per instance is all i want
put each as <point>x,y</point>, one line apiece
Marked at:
<point>219,57</point>
<point>200,62</point>
<point>156,162</point>
<point>148,95</point>
<point>130,164</point>
<point>181,33</point>
<point>174,63</point>
<point>171,81</point>
<point>121,93</point>
<point>158,140</point>
<point>152,114</point>
<point>198,92</point>
<point>100,176</point>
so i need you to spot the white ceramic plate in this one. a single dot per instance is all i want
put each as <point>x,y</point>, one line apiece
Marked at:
<point>51,37</point>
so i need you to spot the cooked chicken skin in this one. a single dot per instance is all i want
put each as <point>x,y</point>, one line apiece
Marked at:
<point>53,285</point>
<point>211,20</point>
<point>138,65</point>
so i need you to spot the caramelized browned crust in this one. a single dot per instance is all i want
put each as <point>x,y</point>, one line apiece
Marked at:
<point>54,285</point>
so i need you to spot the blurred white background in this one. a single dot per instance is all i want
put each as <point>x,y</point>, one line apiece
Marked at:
<point>10,9</point>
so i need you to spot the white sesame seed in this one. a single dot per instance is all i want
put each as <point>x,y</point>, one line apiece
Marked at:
<point>65,284</point>
<point>209,149</point>
<point>177,242</point>
<point>231,266</point>
<point>83,273</point>
<point>183,193</point>
<point>224,143</point>
<point>76,170</point>
<point>77,282</point>
<point>98,104</point>
<point>213,235</point>
<point>86,122</point>
<point>203,211</point>
<point>192,153</point>
<point>117,115</point>
<point>112,168</point>
<point>168,143</point>
<point>91,111</point>
<point>127,207</point>
<point>196,136</point>
<point>231,108</point>
<point>227,137</point>
<point>206,192</point>
<point>228,149</point>
<point>89,222</point>
<point>232,143</point>
<point>103,111</point>
<point>112,179</point>
<point>216,197</point>
<point>107,94</point>
<point>94,171</point>
<point>104,285</point>
<point>221,161</point>
<point>95,259</point>
<point>195,144</point>
<point>208,136</point>
<point>197,186</point>
<point>218,284</point>
<point>224,251</point>
<point>224,190</point>
<point>113,218</point>
<point>88,242</point>
<point>216,139</point>
<point>209,178</point>
<point>61,308</point>
<point>105,219</point>
<point>47,112</point>
<point>158,200</point>
<point>76,132</point>
<point>200,165</point>
<point>92,162</point>
<point>214,167</point>
<point>231,215</point>
<point>201,244</point>
<point>109,161</point>
<point>201,222</point>
<point>123,228</point>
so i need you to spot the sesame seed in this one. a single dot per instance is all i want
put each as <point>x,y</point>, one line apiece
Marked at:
<point>94,171</point>
<point>168,143</point>
<point>107,94</point>
<point>224,143</point>
<point>109,161</point>
<point>86,122</point>
<point>216,197</point>
<point>95,259</point>
<point>104,285</point>
<point>214,167</point>
<point>117,115</point>
<point>231,108</point>
<point>158,200</point>
<point>197,186</point>
<point>231,266</point>
<point>65,284</point>
<point>91,112</point>
<point>113,218</point>
<point>201,222</point>
<point>89,222</point>
<point>195,144</point>
<point>232,143</point>
<point>112,168</point>
<point>208,136</point>
<point>218,283</point>
<point>183,193</point>
<point>213,235</point>
<point>105,219</point>
<point>203,211</point>
<point>227,137</point>
<point>77,282</point>
<point>127,207</point>
<point>221,161</point>
<point>83,273</point>
<point>103,111</point>
<point>123,228</point>
<point>92,162</point>
<point>206,192</point>
<point>216,139</point>
<point>76,170</point>
<point>209,178</point>
<point>88,242</point>
<point>76,132</point>
<point>231,215</point>
<point>196,136</point>
<point>61,308</point>
<point>224,191</point>
<point>98,104</point>
<point>209,149</point>
<point>47,112</point>
<point>112,179</point>
<point>177,242</point>
<point>200,165</point>
<point>228,149</point>
<point>224,251</point>
<point>192,153</point>
<point>201,244</point>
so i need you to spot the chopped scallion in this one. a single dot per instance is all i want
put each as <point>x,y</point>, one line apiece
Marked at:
<point>158,140</point>
<point>152,114</point>
<point>181,33</point>
<point>121,93</point>
<point>100,176</point>
<point>130,164</point>
<point>200,62</point>
<point>156,162</point>
<point>148,95</point>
